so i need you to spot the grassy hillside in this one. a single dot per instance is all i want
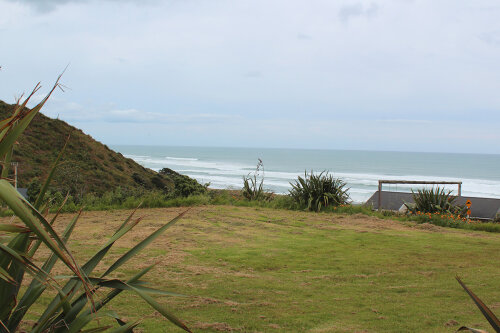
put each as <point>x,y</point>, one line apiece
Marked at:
<point>269,270</point>
<point>88,165</point>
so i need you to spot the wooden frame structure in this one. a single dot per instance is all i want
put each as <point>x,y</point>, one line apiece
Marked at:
<point>380,182</point>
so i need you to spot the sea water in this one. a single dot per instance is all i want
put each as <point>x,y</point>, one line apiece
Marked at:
<point>361,170</point>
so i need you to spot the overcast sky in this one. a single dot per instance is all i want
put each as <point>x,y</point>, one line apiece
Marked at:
<point>377,75</point>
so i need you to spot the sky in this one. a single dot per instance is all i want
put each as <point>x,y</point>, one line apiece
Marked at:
<point>396,75</point>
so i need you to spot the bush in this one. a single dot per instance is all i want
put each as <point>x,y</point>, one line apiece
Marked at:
<point>161,183</point>
<point>283,202</point>
<point>33,190</point>
<point>314,192</point>
<point>138,179</point>
<point>184,186</point>
<point>434,201</point>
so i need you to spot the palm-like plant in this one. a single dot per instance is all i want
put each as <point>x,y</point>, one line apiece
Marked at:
<point>76,303</point>
<point>435,200</point>
<point>317,191</point>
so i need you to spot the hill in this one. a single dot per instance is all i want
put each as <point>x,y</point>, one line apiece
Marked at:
<point>88,166</point>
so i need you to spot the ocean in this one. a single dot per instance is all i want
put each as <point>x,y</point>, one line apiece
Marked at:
<point>224,168</point>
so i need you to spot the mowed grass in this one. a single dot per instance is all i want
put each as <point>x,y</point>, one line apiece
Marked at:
<point>267,270</point>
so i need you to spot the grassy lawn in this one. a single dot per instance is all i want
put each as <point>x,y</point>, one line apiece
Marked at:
<point>266,270</point>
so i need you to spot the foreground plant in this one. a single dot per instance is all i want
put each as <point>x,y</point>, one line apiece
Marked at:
<point>76,303</point>
<point>318,191</point>
<point>487,313</point>
<point>435,200</point>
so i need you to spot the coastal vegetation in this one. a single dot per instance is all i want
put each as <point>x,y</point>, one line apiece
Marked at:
<point>434,200</point>
<point>253,184</point>
<point>81,291</point>
<point>317,191</point>
<point>120,198</point>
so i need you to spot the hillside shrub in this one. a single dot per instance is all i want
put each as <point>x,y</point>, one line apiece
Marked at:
<point>160,183</point>
<point>315,192</point>
<point>183,185</point>
<point>33,190</point>
<point>139,179</point>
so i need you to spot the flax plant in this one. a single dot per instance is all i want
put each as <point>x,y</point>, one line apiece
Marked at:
<point>318,191</point>
<point>253,189</point>
<point>435,200</point>
<point>76,303</point>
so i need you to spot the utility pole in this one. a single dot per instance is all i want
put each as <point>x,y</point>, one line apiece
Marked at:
<point>15,164</point>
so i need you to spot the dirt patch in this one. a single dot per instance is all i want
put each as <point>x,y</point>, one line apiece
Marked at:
<point>451,323</point>
<point>364,223</point>
<point>430,227</point>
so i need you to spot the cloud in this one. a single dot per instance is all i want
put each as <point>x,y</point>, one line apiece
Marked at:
<point>45,6</point>
<point>350,11</point>
<point>73,112</point>
<point>405,121</point>
<point>491,38</point>
<point>302,36</point>
<point>138,116</point>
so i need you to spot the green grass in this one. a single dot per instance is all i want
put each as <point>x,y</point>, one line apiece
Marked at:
<point>255,269</point>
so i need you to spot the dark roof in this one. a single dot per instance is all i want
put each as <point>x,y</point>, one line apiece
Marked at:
<point>390,200</point>
<point>23,191</point>
<point>481,208</point>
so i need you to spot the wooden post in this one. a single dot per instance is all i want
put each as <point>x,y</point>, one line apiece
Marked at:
<point>459,189</point>
<point>379,195</point>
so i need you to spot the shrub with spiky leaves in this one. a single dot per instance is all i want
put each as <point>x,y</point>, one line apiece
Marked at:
<point>76,303</point>
<point>253,188</point>
<point>315,192</point>
<point>435,200</point>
